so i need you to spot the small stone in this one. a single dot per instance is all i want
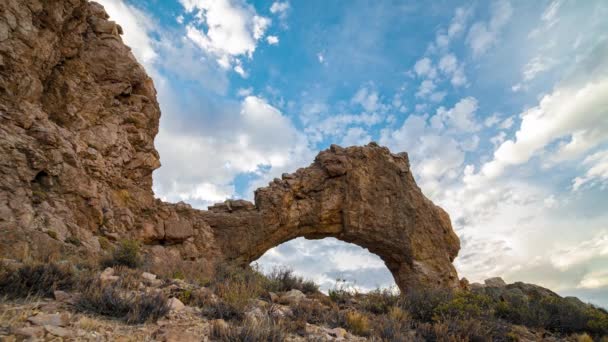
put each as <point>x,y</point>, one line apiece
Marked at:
<point>273,297</point>
<point>56,320</point>
<point>175,304</point>
<point>108,275</point>
<point>292,296</point>
<point>337,332</point>
<point>280,311</point>
<point>58,331</point>
<point>29,332</point>
<point>495,282</point>
<point>61,296</point>
<point>148,276</point>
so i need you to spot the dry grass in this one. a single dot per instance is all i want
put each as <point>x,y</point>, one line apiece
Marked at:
<point>250,330</point>
<point>35,280</point>
<point>357,323</point>
<point>134,308</point>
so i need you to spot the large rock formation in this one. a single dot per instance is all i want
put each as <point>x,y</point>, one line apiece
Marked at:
<point>78,116</point>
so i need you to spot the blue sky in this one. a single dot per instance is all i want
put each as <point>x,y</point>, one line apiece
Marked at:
<point>502,106</point>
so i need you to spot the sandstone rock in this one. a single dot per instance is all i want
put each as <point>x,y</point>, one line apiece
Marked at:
<point>175,304</point>
<point>29,332</point>
<point>78,118</point>
<point>56,320</point>
<point>274,298</point>
<point>108,275</point>
<point>177,229</point>
<point>280,311</point>
<point>337,332</point>
<point>176,335</point>
<point>292,297</point>
<point>495,282</point>
<point>148,276</point>
<point>61,296</point>
<point>58,331</point>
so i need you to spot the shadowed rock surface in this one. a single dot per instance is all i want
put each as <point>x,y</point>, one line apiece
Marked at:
<point>78,117</point>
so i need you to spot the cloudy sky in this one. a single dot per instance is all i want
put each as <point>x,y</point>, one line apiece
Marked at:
<point>502,106</point>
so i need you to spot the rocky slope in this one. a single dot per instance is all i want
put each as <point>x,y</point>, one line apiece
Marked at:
<point>78,117</point>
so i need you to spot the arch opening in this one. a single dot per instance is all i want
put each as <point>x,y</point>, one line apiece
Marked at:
<point>330,263</point>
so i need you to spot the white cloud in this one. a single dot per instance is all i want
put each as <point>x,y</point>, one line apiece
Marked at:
<point>492,120</point>
<point>426,88</point>
<point>424,68</point>
<point>483,35</point>
<point>558,115</point>
<point>461,117</point>
<point>597,171</point>
<point>321,58</point>
<point>458,24</point>
<point>226,29</point>
<point>594,280</point>
<point>355,136</point>
<point>536,66</point>
<point>279,8</point>
<point>336,125</point>
<point>584,251</point>
<point>243,92</point>
<point>367,98</point>
<point>436,146</point>
<point>272,40</point>
<point>202,167</point>
<point>449,65</point>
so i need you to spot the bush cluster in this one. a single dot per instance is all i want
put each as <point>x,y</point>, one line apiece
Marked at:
<point>112,301</point>
<point>127,253</point>
<point>283,279</point>
<point>32,280</point>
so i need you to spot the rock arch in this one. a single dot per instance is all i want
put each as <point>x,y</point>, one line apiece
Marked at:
<point>361,195</point>
<point>78,118</point>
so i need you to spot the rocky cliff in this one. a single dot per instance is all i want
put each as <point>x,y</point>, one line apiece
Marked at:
<point>78,117</point>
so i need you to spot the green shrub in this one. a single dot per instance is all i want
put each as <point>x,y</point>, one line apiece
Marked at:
<point>36,280</point>
<point>126,254</point>
<point>380,301</point>
<point>555,314</point>
<point>220,309</point>
<point>464,306</point>
<point>73,240</point>
<point>422,303</point>
<point>282,279</point>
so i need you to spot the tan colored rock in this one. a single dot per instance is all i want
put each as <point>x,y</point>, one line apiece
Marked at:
<point>58,331</point>
<point>175,304</point>
<point>61,296</point>
<point>78,118</point>
<point>108,275</point>
<point>291,297</point>
<point>55,320</point>
<point>148,276</point>
<point>29,332</point>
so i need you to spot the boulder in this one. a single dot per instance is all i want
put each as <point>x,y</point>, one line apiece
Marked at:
<point>495,282</point>
<point>55,320</point>
<point>175,304</point>
<point>291,297</point>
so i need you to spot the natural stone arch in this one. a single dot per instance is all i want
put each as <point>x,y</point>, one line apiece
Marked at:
<point>361,195</point>
<point>78,118</point>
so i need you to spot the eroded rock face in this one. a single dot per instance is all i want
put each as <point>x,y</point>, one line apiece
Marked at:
<point>78,117</point>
